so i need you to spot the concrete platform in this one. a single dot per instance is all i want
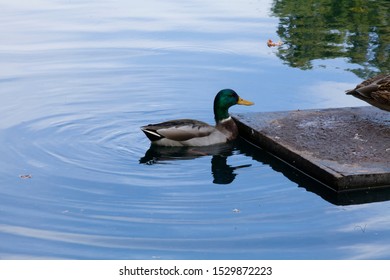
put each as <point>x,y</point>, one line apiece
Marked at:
<point>344,148</point>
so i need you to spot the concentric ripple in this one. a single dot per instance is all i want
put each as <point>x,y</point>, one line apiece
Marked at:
<point>87,187</point>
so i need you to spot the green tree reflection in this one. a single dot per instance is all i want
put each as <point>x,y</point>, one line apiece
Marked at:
<point>358,30</point>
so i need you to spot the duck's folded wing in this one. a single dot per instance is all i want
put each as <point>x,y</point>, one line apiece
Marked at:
<point>382,96</point>
<point>379,92</point>
<point>178,130</point>
<point>364,91</point>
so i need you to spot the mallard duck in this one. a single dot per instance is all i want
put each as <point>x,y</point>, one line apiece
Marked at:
<point>187,132</point>
<point>375,91</point>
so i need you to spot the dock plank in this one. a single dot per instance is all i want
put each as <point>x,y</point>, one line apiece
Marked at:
<point>345,148</point>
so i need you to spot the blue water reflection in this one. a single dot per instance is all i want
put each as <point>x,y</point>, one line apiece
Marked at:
<point>78,180</point>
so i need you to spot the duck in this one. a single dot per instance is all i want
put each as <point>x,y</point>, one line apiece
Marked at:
<point>375,91</point>
<point>189,132</point>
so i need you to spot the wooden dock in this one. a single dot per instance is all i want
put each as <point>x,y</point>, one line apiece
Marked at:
<point>344,148</point>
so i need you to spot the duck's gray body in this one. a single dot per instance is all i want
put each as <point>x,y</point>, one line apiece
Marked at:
<point>187,132</point>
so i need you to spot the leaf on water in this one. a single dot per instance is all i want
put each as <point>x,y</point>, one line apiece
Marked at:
<point>271,43</point>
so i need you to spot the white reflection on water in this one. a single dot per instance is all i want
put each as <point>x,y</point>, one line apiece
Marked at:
<point>328,94</point>
<point>371,232</point>
<point>133,24</point>
<point>62,53</point>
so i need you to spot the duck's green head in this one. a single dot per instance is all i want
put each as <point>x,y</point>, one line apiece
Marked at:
<point>224,100</point>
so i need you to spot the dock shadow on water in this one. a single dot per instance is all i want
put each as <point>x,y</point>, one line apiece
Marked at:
<point>312,185</point>
<point>224,173</point>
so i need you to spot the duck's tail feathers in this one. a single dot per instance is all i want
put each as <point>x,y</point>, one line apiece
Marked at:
<point>152,134</point>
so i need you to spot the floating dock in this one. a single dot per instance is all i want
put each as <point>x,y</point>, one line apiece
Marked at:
<point>344,148</point>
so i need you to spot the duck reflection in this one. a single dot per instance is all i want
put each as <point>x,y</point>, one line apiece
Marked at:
<point>222,172</point>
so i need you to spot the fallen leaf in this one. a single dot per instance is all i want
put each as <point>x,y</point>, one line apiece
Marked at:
<point>271,43</point>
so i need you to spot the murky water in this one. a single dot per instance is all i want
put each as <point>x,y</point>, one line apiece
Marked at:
<point>78,179</point>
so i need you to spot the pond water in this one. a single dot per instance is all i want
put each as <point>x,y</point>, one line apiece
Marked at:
<point>78,79</point>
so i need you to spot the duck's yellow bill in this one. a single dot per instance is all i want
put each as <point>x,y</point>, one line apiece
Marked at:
<point>244,102</point>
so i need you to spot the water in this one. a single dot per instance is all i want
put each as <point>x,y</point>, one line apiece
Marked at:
<point>78,179</point>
